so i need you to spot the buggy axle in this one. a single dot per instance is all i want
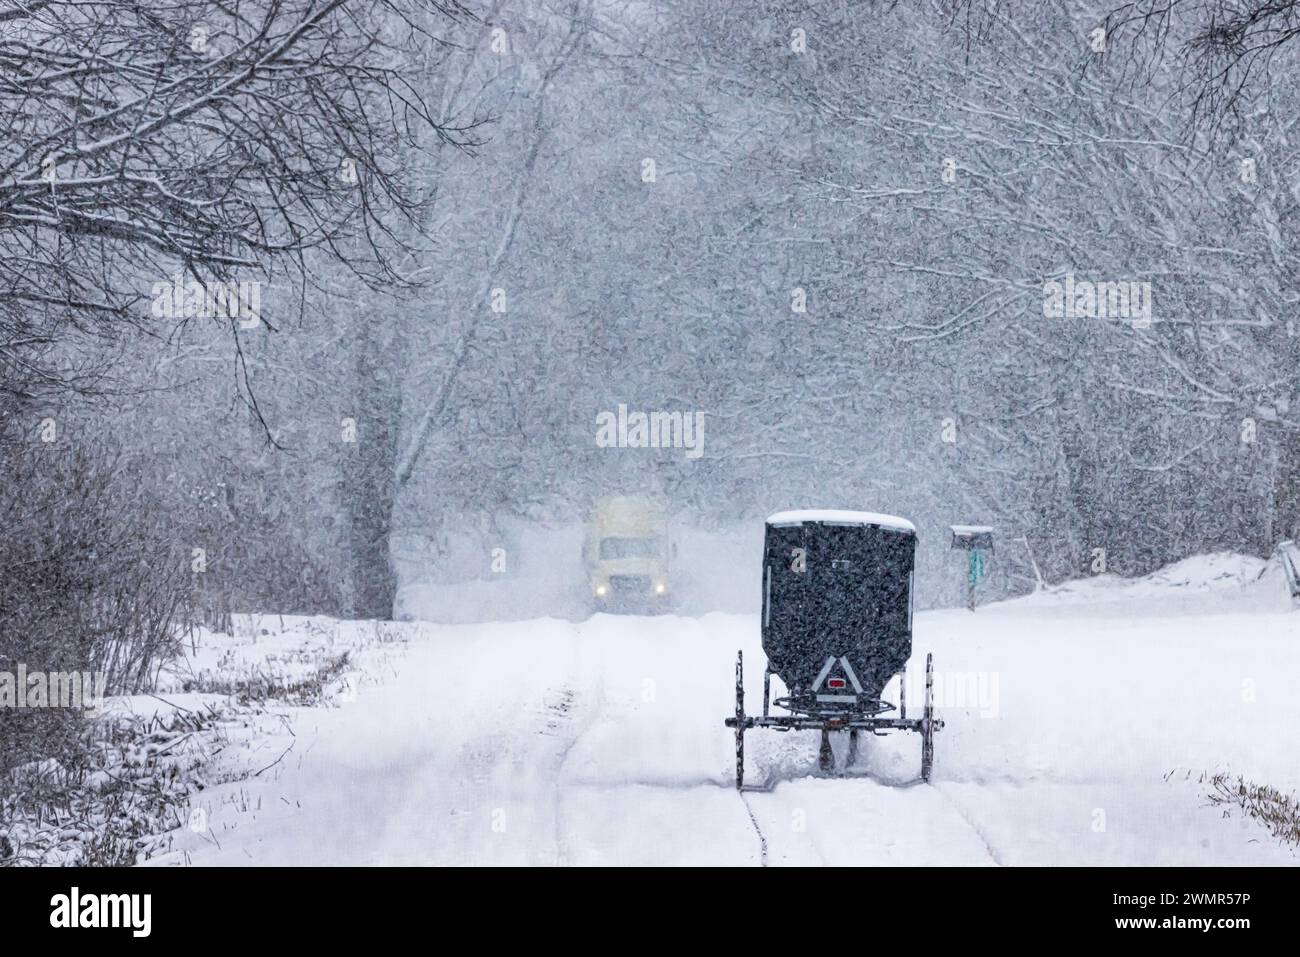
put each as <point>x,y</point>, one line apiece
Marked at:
<point>867,717</point>
<point>808,723</point>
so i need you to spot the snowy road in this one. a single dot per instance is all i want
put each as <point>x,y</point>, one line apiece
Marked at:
<point>1076,731</point>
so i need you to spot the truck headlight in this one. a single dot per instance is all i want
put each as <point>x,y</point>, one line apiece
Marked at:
<point>660,588</point>
<point>600,591</point>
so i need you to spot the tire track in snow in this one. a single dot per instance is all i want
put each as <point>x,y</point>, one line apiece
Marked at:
<point>762,840</point>
<point>763,800</point>
<point>861,819</point>
<point>885,781</point>
<point>562,723</point>
<point>562,853</point>
<point>622,793</point>
<point>594,710</point>
<point>994,856</point>
<point>919,783</point>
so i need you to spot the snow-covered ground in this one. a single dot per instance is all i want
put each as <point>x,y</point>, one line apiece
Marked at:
<point>1079,723</point>
<point>222,712</point>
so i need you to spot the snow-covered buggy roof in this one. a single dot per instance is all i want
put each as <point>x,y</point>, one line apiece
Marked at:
<point>837,602</point>
<point>839,516</point>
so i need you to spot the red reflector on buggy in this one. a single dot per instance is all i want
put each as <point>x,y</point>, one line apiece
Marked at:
<point>837,683</point>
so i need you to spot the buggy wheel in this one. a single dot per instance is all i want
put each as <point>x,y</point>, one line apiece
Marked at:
<point>927,721</point>
<point>740,720</point>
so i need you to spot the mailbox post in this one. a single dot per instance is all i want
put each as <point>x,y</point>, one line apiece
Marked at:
<point>977,541</point>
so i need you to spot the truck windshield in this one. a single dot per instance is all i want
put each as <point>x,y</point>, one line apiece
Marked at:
<point>628,548</point>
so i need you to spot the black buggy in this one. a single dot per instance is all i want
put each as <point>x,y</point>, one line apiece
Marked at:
<point>837,626</point>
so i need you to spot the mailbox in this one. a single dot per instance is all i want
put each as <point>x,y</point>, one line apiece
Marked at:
<point>977,540</point>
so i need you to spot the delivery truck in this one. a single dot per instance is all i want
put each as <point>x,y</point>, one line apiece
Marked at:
<point>627,553</point>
